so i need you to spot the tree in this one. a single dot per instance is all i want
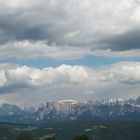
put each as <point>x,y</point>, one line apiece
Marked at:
<point>82,137</point>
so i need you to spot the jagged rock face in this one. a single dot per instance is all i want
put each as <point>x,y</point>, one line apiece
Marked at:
<point>137,102</point>
<point>61,111</point>
<point>106,109</point>
<point>15,114</point>
<point>8,110</point>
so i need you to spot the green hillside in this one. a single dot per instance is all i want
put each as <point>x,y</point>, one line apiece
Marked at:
<point>72,131</point>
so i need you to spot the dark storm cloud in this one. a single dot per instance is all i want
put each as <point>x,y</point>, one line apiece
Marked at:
<point>14,27</point>
<point>122,42</point>
<point>12,89</point>
<point>34,24</point>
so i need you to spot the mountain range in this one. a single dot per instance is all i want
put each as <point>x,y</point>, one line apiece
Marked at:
<point>66,110</point>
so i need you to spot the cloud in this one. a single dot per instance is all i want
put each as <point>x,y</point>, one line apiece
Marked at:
<point>129,40</point>
<point>26,76</point>
<point>88,25</point>
<point>27,50</point>
<point>64,82</point>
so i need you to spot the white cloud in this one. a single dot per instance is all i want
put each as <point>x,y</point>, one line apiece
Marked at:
<point>27,50</point>
<point>136,16</point>
<point>26,76</point>
<point>64,82</point>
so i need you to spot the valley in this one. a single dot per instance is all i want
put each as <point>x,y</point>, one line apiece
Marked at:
<point>99,130</point>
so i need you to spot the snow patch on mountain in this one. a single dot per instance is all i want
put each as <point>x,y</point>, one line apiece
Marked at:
<point>68,102</point>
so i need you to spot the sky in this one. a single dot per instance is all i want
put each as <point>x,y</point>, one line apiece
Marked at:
<point>53,50</point>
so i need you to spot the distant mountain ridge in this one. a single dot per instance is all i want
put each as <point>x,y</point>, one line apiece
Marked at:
<point>105,109</point>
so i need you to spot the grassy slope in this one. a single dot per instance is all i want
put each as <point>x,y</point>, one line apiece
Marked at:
<point>68,130</point>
